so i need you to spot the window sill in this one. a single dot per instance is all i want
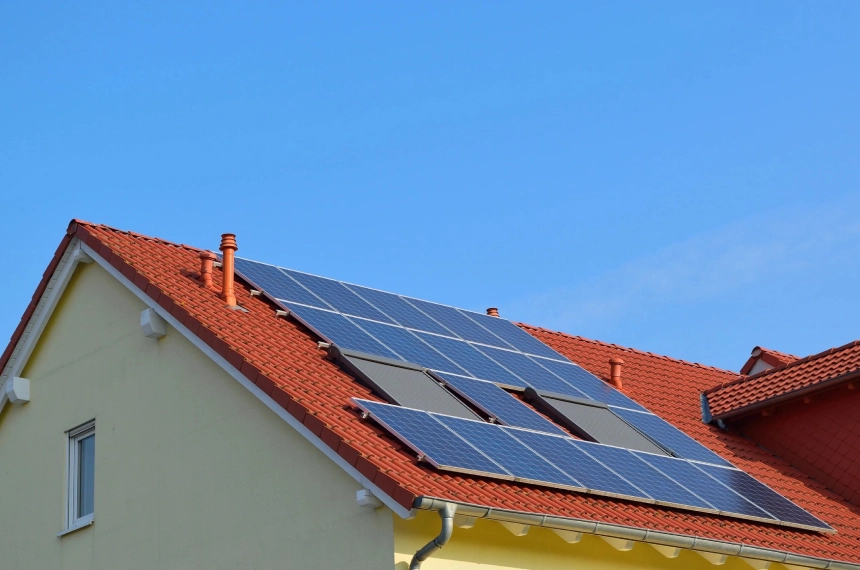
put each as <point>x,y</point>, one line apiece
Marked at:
<point>81,523</point>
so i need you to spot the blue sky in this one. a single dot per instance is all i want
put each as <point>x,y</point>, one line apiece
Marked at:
<point>677,177</point>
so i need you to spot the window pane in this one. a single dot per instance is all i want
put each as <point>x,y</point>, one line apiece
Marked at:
<point>86,468</point>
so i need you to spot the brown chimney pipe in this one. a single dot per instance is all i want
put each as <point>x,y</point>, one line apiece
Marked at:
<point>493,312</point>
<point>228,249</point>
<point>615,372</point>
<point>207,258</point>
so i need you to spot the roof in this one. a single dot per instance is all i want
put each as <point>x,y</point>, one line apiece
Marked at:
<point>796,378</point>
<point>769,356</point>
<point>283,359</point>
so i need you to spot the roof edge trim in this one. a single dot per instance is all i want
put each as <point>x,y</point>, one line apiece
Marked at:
<point>660,538</point>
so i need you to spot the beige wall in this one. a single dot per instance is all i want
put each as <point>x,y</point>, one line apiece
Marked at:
<point>192,471</point>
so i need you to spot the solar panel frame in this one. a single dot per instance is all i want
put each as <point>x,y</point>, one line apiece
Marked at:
<point>430,434</point>
<point>337,295</point>
<point>407,345</point>
<point>589,385</point>
<point>763,496</point>
<point>664,490</point>
<point>277,284</point>
<point>519,460</point>
<point>530,372</point>
<point>397,309</point>
<point>459,324</point>
<point>497,403</point>
<point>668,436</point>
<point>475,362</point>
<point>513,335</point>
<point>337,329</point>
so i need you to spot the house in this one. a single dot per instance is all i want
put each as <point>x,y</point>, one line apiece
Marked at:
<point>231,433</point>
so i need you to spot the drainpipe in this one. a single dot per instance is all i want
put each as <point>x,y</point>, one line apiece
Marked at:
<point>446,513</point>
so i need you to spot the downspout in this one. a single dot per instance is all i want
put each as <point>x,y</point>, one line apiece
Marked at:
<point>446,513</point>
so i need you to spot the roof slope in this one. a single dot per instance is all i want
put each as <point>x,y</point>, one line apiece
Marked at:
<point>795,378</point>
<point>283,359</point>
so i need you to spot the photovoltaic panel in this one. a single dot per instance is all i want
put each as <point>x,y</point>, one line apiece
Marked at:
<point>590,474</point>
<point>589,384</point>
<point>718,495</point>
<point>338,296</point>
<point>458,323</point>
<point>508,452</point>
<point>762,495</point>
<point>642,475</point>
<point>513,335</point>
<point>339,330</point>
<point>277,283</point>
<point>399,310</point>
<point>499,404</point>
<point>408,346</point>
<point>533,374</point>
<point>428,437</point>
<point>476,363</point>
<point>669,437</point>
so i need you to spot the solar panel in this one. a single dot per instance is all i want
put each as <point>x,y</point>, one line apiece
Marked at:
<point>398,310</point>
<point>589,384</point>
<point>403,384</point>
<point>338,329</point>
<point>590,420</point>
<point>276,283</point>
<point>408,346</point>
<point>508,452</point>
<point>721,497</point>
<point>762,495</point>
<point>470,359</point>
<point>534,375</point>
<point>498,404</point>
<point>670,437</point>
<point>431,439</point>
<point>457,323</point>
<point>642,475</point>
<point>591,474</point>
<point>513,335</point>
<point>338,296</point>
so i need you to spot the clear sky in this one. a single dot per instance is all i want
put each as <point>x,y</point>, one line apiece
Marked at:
<point>677,177</point>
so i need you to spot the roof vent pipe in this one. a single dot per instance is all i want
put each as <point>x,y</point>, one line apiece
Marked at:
<point>207,259</point>
<point>228,249</point>
<point>615,372</point>
<point>493,312</point>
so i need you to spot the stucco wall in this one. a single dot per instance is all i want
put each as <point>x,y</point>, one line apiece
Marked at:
<point>192,471</point>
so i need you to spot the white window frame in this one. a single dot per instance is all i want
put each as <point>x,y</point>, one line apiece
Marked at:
<point>74,436</point>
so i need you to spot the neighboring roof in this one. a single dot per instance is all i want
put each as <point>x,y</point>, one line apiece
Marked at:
<point>796,378</point>
<point>283,359</point>
<point>771,357</point>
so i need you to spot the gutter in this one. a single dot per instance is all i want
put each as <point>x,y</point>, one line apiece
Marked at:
<point>653,537</point>
<point>783,398</point>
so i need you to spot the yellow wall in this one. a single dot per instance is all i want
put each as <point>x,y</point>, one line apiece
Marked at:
<point>490,546</point>
<point>192,471</point>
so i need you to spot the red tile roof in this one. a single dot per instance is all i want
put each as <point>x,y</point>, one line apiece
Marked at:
<point>796,378</point>
<point>771,357</point>
<point>283,358</point>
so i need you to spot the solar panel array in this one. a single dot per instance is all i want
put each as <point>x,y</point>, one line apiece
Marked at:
<point>529,456</point>
<point>476,355</point>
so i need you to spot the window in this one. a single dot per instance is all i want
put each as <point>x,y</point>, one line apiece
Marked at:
<point>81,475</point>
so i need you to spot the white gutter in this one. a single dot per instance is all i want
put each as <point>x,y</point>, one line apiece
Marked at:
<point>653,537</point>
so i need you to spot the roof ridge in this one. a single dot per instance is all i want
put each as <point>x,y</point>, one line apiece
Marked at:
<point>628,349</point>
<point>78,222</point>
<point>770,371</point>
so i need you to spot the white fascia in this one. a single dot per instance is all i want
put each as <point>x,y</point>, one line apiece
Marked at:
<point>239,377</point>
<point>13,388</point>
